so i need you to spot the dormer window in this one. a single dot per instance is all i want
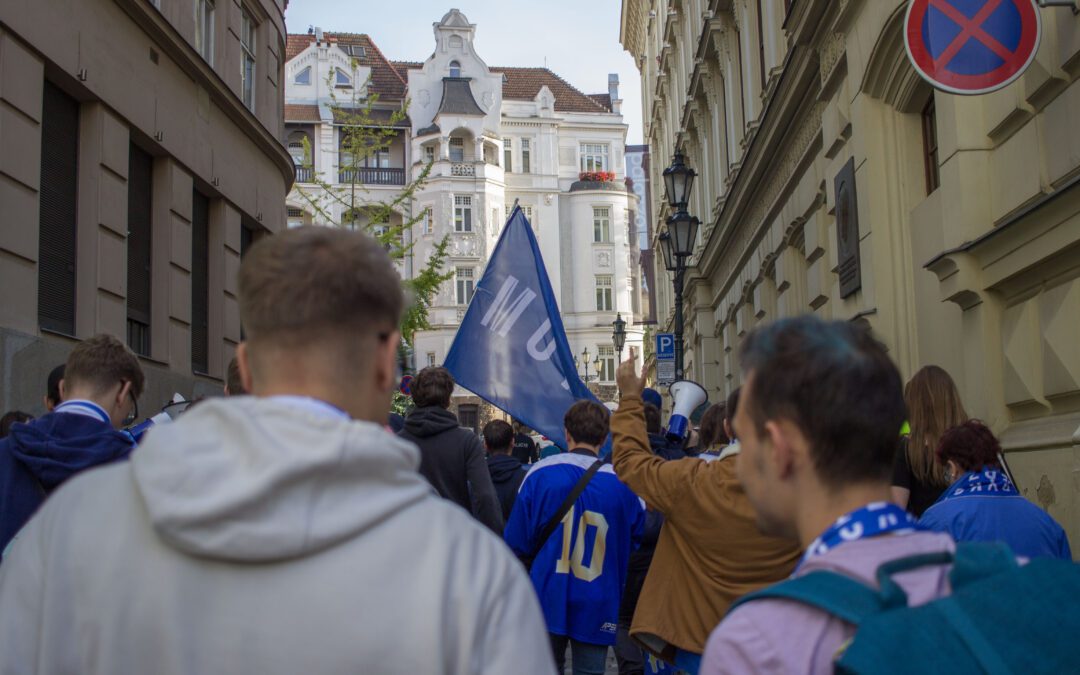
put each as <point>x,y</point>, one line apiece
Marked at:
<point>342,79</point>
<point>304,76</point>
<point>455,69</point>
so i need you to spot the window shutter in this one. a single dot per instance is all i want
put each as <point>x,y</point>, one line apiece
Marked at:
<point>139,247</point>
<point>58,201</point>
<point>200,283</point>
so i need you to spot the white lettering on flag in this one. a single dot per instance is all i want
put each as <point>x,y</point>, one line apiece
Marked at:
<point>533,346</point>
<point>503,314</point>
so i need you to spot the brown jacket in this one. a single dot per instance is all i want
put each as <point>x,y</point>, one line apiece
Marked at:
<point>710,552</point>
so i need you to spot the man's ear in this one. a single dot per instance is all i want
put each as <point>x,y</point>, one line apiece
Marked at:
<point>244,366</point>
<point>123,393</point>
<point>785,447</point>
<point>386,352</point>
<point>63,390</point>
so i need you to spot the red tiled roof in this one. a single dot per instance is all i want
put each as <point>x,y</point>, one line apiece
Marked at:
<point>385,79</point>
<point>301,113</point>
<point>523,84</point>
<point>603,99</point>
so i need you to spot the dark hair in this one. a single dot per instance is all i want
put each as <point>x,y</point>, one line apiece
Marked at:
<point>232,379</point>
<point>13,417</point>
<point>432,386</point>
<point>101,361</point>
<point>52,388</point>
<point>588,422</point>
<point>837,384</point>
<point>711,432</point>
<point>317,283</point>
<point>498,436</point>
<point>652,419</point>
<point>971,445</point>
<point>933,405</point>
<point>732,404</point>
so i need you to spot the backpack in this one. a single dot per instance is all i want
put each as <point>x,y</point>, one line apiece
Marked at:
<point>1001,617</point>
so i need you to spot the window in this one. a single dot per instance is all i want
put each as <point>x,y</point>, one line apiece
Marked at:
<point>930,146</point>
<point>469,417</point>
<point>462,214</point>
<point>58,206</point>
<point>594,157</point>
<point>200,282</point>
<point>296,148</point>
<point>607,363</point>
<point>427,224</point>
<point>603,293</point>
<point>429,153</point>
<point>601,225</point>
<point>296,217</point>
<point>466,285</point>
<point>304,76</point>
<point>508,154</point>
<point>431,358</point>
<point>204,29</point>
<point>455,69</point>
<point>342,79</point>
<point>247,60</point>
<point>457,149</point>
<point>525,155</point>
<point>377,159</point>
<point>355,51</point>
<point>139,240</point>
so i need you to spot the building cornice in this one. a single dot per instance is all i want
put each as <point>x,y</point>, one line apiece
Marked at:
<point>166,38</point>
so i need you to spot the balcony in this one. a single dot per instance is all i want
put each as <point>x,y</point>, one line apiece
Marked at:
<point>304,174</point>
<point>463,170</point>
<point>372,176</point>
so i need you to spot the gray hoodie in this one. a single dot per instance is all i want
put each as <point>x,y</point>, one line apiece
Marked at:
<point>255,536</point>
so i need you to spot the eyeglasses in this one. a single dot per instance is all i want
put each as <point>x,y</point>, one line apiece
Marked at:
<point>134,414</point>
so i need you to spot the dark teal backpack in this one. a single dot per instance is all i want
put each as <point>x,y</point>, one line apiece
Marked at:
<point>1001,617</point>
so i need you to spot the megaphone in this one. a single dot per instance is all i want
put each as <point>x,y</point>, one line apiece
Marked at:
<point>687,397</point>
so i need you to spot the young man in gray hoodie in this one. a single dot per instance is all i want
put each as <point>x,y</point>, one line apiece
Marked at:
<point>281,532</point>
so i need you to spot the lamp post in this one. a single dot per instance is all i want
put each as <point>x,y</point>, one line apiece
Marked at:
<point>585,359</point>
<point>677,242</point>
<point>618,336</point>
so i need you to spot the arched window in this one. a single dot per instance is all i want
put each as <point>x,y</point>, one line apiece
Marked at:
<point>455,69</point>
<point>342,79</point>
<point>304,76</point>
<point>296,147</point>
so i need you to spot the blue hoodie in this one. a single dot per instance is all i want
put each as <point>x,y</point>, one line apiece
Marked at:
<point>37,457</point>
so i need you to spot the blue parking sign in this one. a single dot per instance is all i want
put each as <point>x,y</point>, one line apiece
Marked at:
<point>665,347</point>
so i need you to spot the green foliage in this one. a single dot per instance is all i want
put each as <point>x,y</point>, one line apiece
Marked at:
<point>367,132</point>
<point>401,404</point>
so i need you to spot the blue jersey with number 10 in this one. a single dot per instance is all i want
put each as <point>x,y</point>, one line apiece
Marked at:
<point>580,571</point>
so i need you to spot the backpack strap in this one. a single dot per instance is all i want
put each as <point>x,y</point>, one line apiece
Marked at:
<point>564,508</point>
<point>836,594</point>
<point>976,561</point>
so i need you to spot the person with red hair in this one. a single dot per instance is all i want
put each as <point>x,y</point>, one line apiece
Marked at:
<point>982,504</point>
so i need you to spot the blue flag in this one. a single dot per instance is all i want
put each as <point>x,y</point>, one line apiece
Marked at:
<point>511,348</point>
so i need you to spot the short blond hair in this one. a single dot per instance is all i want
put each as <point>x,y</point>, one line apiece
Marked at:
<point>313,282</point>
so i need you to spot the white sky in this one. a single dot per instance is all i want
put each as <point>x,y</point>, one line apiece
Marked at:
<point>578,38</point>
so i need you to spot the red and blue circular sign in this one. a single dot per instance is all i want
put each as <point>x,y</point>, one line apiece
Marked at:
<point>972,46</point>
<point>406,385</point>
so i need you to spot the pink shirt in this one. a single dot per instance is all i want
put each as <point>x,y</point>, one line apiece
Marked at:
<point>782,636</point>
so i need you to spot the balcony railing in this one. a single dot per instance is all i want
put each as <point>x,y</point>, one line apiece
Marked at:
<point>304,174</point>
<point>466,170</point>
<point>372,176</point>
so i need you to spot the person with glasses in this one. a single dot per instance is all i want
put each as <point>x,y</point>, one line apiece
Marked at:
<point>101,382</point>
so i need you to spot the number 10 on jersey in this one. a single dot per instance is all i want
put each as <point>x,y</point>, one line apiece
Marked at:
<point>573,557</point>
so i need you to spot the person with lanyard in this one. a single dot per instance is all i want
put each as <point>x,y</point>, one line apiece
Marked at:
<point>982,504</point>
<point>818,421</point>
<point>101,381</point>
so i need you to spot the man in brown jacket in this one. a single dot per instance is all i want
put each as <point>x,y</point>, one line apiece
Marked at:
<point>710,552</point>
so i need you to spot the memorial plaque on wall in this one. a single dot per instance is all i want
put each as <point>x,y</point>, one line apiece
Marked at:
<point>847,231</point>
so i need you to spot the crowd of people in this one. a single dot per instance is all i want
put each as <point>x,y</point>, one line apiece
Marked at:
<point>292,526</point>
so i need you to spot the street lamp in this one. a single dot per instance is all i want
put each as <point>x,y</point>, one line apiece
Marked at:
<point>585,361</point>
<point>677,242</point>
<point>596,366</point>
<point>618,336</point>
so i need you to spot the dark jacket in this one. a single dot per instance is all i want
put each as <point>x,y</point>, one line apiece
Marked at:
<point>525,450</point>
<point>37,457</point>
<point>452,460</point>
<point>506,473</point>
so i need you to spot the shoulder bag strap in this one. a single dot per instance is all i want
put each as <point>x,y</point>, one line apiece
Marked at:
<point>564,508</point>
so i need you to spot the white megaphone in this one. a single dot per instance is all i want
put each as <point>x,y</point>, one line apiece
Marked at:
<point>686,397</point>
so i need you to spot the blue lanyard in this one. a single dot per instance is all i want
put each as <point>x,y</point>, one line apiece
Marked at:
<point>986,483</point>
<point>872,520</point>
<point>86,408</point>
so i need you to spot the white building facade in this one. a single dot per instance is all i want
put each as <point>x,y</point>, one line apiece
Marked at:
<point>493,136</point>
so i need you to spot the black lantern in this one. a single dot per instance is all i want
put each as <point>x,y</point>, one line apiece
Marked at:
<point>682,228</point>
<point>669,254</point>
<point>678,181</point>
<point>618,337</point>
